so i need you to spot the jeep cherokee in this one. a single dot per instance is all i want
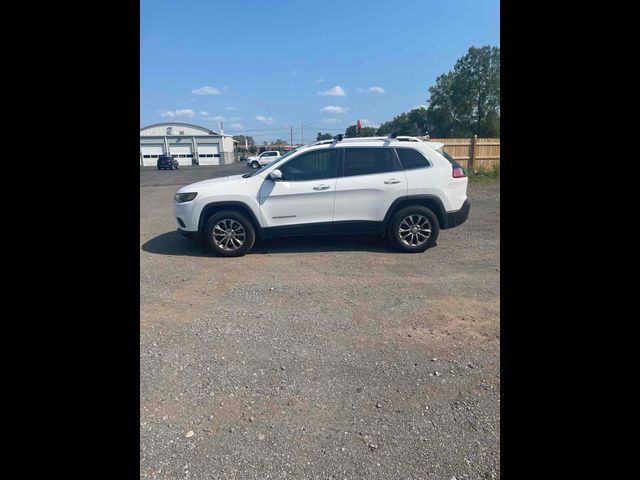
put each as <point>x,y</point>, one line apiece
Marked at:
<point>400,187</point>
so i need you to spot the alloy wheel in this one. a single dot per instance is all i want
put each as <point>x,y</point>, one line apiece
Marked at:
<point>414,230</point>
<point>229,234</point>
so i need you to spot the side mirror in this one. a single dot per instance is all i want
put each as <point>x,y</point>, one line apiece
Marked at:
<point>275,175</point>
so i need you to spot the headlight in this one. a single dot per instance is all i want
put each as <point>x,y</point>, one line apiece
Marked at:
<point>185,197</point>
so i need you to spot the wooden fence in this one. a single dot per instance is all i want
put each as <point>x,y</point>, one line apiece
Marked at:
<point>472,153</point>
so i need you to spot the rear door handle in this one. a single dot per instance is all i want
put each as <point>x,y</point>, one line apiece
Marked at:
<point>321,187</point>
<point>392,181</point>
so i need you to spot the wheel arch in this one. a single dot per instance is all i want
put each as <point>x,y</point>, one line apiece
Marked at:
<point>432,202</point>
<point>214,207</point>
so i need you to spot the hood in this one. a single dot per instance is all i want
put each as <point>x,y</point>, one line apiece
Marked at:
<point>230,180</point>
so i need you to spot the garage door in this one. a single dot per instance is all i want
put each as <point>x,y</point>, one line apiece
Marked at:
<point>208,155</point>
<point>182,152</point>
<point>150,154</point>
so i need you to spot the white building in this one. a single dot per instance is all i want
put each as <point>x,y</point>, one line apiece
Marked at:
<point>189,144</point>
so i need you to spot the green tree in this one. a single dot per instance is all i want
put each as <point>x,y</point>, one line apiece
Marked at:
<point>364,131</point>
<point>279,142</point>
<point>466,101</point>
<point>323,136</point>
<point>240,139</point>
<point>413,123</point>
<point>253,149</point>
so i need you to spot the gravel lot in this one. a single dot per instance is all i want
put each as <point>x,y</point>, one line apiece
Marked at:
<point>331,357</point>
<point>152,177</point>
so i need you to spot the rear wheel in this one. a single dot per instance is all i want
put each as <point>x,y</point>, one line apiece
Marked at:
<point>414,229</point>
<point>229,233</point>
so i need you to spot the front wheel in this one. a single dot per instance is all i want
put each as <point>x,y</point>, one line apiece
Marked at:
<point>229,233</point>
<point>414,229</point>
<point>255,164</point>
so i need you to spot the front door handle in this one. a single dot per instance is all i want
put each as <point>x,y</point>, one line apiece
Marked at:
<point>392,181</point>
<point>321,187</point>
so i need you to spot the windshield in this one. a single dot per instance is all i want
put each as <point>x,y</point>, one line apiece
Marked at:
<point>269,165</point>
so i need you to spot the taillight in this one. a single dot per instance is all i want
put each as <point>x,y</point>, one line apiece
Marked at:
<point>458,172</point>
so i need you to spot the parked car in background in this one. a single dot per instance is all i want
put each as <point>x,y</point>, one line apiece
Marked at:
<point>401,188</point>
<point>265,158</point>
<point>167,163</point>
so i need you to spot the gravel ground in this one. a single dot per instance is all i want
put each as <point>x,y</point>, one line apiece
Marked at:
<point>331,357</point>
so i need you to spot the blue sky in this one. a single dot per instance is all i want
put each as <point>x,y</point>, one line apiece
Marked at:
<point>265,65</point>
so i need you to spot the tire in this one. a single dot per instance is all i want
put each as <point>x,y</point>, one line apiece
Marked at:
<point>255,164</point>
<point>227,220</point>
<point>409,227</point>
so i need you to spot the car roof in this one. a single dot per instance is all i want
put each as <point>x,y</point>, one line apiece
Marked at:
<point>400,141</point>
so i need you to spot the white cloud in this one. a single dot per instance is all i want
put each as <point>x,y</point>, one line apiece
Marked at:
<point>231,109</point>
<point>331,120</point>
<point>187,112</point>
<point>237,126</point>
<point>204,114</point>
<point>263,119</point>
<point>336,91</point>
<point>377,90</point>
<point>235,119</point>
<point>320,80</point>
<point>217,118</point>
<point>418,106</point>
<point>359,90</point>
<point>206,91</point>
<point>334,109</point>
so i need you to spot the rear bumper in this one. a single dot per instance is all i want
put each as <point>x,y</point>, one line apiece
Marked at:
<point>458,217</point>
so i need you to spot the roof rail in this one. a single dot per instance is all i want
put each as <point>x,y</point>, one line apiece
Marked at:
<point>322,142</point>
<point>342,138</point>
<point>406,138</point>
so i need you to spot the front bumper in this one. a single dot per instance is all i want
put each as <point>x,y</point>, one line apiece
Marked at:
<point>458,217</point>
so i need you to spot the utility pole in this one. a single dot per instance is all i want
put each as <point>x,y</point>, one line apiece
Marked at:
<point>301,133</point>
<point>291,135</point>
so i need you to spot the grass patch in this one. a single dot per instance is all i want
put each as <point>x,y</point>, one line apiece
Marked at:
<point>484,175</point>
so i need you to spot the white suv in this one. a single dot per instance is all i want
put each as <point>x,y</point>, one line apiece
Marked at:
<point>398,187</point>
<point>265,158</point>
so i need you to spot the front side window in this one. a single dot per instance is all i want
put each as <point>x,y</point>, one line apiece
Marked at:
<point>368,160</point>
<point>411,158</point>
<point>316,165</point>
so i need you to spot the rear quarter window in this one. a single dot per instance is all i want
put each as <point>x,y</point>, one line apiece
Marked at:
<point>449,158</point>
<point>411,158</point>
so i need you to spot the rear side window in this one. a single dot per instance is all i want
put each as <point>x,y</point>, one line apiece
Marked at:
<point>316,165</point>
<point>367,161</point>
<point>411,158</point>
